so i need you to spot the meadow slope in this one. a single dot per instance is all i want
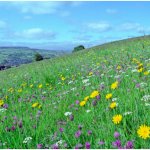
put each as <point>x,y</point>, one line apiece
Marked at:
<point>72,101</point>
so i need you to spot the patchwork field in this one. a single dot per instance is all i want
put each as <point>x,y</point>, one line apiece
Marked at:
<point>95,98</point>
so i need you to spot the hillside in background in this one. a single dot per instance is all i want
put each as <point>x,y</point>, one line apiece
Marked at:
<point>97,98</point>
<point>14,56</point>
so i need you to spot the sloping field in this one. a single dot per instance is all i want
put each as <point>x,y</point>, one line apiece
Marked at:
<point>97,98</point>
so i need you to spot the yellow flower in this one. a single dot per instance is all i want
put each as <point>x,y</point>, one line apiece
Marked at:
<point>94,94</point>
<point>40,86</point>
<point>114,85</point>
<point>143,131</point>
<point>113,105</point>
<point>109,96</point>
<point>82,103</point>
<point>146,73</point>
<point>1,102</point>
<point>86,98</point>
<point>63,78</point>
<point>140,70</point>
<point>118,67</point>
<point>117,119</point>
<point>19,90</point>
<point>90,73</point>
<point>35,105</point>
<point>31,85</point>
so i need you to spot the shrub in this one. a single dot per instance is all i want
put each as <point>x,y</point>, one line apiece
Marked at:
<point>78,48</point>
<point>38,57</point>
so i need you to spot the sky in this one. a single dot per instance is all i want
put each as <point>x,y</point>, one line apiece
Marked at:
<point>63,25</point>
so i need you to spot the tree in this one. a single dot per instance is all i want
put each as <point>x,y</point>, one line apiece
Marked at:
<point>38,57</point>
<point>78,48</point>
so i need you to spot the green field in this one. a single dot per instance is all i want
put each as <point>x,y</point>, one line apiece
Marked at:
<point>71,101</point>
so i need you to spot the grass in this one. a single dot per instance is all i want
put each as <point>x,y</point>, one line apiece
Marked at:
<point>70,78</point>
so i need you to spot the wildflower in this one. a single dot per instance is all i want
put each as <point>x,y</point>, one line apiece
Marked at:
<point>63,78</point>
<point>117,143</point>
<point>114,85</point>
<point>71,117</point>
<point>77,102</point>
<point>88,111</point>
<point>13,128</point>
<point>118,67</point>
<point>98,97</point>
<point>108,96</point>
<point>127,113</point>
<point>68,113</point>
<point>77,134</point>
<point>116,134</point>
<point>101,142</point>
<point>143,132</point>
<point>82,103</point>
<point>113,105</point>
<point>146,73</point>
<point>39,146</point>
<point>90,73</point>
<point>94,94</point>
<point>1,102</point>
<point>87,145</point>
<point>78,146</point>
<point>35,105</point>
<point>94,102</point>
<point>140,70</point>
<point>117,119</point>
<point>61,129</point>
<point>40,86</point>
<point>19,90</point>
<point>86,98</point>
<point>89,132</point>
<point>129,145</point>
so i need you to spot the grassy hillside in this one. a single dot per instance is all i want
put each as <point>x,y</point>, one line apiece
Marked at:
<point>20,55</point>
<point>72,101</point>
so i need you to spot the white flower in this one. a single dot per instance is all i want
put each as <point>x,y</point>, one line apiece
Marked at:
<point>27,140</point>
<point>73,89</point>
<point>85,80</point>
<point>88,111</point>
<point>87,84</point>
<point>3,110</point>
<point>127,113</point>
<point>134,70</point>
<point>146,98</point>
<point>67,113</point>
<point>114,99</point>
<point>60,142</point>
<point>70,82</point>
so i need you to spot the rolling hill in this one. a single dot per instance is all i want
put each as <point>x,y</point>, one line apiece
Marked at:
<point>14,56</point>
<point>97,98</point>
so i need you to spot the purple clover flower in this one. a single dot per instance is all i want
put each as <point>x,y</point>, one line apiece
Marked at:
<point>117,144</point>
<point>116,134</point>
<point>87,145</point>
<point>129,145</point>
<point>39,146</point>
<point>77,134</point>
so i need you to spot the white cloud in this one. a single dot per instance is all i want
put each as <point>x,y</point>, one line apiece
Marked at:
<point>35,33</point>
<point>37,7</point>
<point>111,11</point>
<point>99,26</point>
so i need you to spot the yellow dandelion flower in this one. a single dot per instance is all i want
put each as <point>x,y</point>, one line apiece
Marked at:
<point>108,96</point>
<point>1,102</point>
<point>63,78</point>
<point>31,85</point>
<point>146,73</point>
<point>140,70</point>
<point>118,67</point>
<point>94,94</point>
<point>113,105</point>
<point>19,90</point>
<point>114,85</point>
<point>90,73</point>
<point>35,105</point>
<point>82,103</point>
<point>117,119</point>
<point>143,132</point>
<point>86,98</point>
<point>40,86</point>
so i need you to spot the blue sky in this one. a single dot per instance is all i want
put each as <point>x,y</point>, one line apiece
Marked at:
<point>64,25</point>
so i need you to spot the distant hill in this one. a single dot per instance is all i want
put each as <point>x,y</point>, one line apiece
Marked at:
<point>14,56</point>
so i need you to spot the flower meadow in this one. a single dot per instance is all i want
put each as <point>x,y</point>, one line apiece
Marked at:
<point>98,98</point>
